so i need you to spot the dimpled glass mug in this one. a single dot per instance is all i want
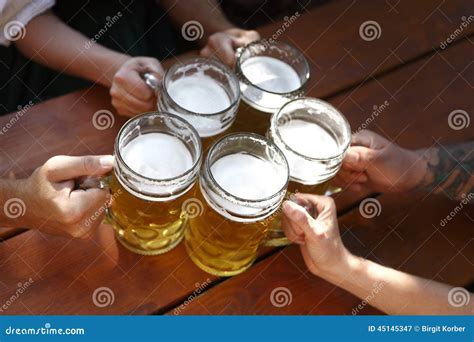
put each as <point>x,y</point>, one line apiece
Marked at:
<point>242,183</point>
<point>314,137</point>
<point>157,161</point>
<point>270,74</point>
<point>202,91</point>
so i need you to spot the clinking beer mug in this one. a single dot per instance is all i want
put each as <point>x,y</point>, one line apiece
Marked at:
<point>242,183</point>
<point>157,161</point>
<point>270,74</point>
<point>314,137</point>
<point>202,91</point>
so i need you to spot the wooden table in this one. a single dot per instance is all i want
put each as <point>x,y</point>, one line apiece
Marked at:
<point>405,66</point>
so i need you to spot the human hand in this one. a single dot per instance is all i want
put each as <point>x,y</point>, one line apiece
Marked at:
<point>376,164</point>
<point>311,222</point>
<point>130,94</point>
<point>223,44</point>
<point>52,203</point>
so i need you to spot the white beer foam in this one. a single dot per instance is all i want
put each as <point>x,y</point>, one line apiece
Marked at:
<point>247,176</point>
<point>199,93</point>
<point>309,139</point>
<point>157,156</point>
<point>271,74</point>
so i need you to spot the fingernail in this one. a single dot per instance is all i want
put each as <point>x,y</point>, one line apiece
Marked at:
<point>106,161</point>
<point>287,209</point>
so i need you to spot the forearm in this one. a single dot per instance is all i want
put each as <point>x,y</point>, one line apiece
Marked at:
<point>449,169</point>
<point>208,13</point>
<point>394,292</point>
<point>52,43</point>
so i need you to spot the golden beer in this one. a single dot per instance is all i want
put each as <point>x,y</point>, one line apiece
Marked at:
<point>158,157</point>
<point>242,184</point>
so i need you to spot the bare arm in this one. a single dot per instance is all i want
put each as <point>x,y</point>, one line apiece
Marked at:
<point>450,169</point>
<point>52,43</point>
<point>389,290</point>
<point>395,292</point>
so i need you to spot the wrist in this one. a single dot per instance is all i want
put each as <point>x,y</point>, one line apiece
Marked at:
<point>109,63</point>
<point>419,169</point>
<point>338,272</point>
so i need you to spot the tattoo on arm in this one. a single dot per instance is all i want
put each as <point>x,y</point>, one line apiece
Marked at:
<point>450,169</point>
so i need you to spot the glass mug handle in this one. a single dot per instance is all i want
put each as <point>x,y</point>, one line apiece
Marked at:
<point>93,182</point>
<point>152,81</point>
<point>275,235</point>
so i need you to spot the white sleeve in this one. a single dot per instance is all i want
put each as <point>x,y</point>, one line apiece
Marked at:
<point>15,15</point>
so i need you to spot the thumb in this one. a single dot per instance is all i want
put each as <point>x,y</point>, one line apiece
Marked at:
<point>299,217</point>
<point>62,168</point>
<point>358,158</point>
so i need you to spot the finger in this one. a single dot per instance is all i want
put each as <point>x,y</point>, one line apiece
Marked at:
<point>320,206</point>
<point>347,177</point>
<point>358,158</point>
<point>297,215</point>
<point>222,46</point>
<point>122,108</point>
<point>133,104</point>
<point>206,51</point>
<point>89,202</point>
<point>62,168</point>
<point>292,232</point>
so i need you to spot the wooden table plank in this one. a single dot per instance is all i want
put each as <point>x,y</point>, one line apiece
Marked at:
<point>417,243</point>
<point>73,270</point>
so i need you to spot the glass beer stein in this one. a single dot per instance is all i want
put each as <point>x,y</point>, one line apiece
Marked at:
<point>157,161</point>
<point>242,183</point>
<point>270,75</point>
<point>202,91</point>
<point>314,137</point>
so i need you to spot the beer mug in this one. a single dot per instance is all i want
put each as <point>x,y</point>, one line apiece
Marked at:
<point>157,161</point>
<point>242,183</point>
<point>202,91</point>
<point>314,137</point>
<point>270,75</point>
